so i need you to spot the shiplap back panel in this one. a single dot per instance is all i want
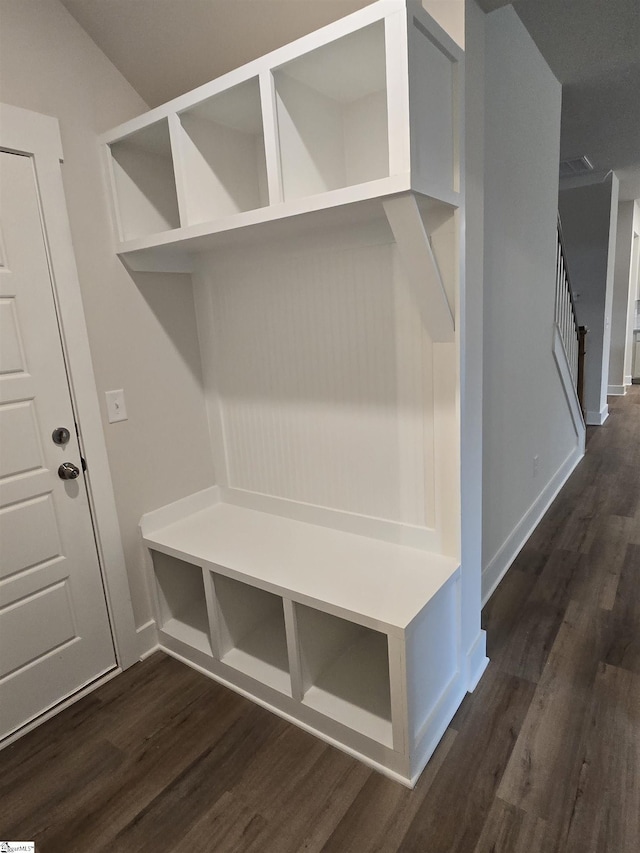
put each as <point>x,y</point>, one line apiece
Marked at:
<point>322,380</point>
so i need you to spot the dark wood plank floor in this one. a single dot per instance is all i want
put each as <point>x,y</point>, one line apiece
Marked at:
<point>544,756</point>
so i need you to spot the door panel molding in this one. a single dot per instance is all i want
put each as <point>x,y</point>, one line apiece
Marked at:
<point>38,136</point>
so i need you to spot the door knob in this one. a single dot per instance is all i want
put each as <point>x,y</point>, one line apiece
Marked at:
<point>68,471</point>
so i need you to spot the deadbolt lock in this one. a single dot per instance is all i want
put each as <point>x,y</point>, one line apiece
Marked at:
<point>60,435</point>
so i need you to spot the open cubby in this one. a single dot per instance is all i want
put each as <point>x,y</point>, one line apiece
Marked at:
<point>251,632</point>
<point>222,152</point>
<point>144,181</point>
<point>182,603</point>
<point>332,115</point>
<point>345,672</point>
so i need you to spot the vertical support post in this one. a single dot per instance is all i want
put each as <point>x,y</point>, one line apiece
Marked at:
<point>582,334</point>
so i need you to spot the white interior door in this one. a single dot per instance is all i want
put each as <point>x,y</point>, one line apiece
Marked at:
<point>55,636</point>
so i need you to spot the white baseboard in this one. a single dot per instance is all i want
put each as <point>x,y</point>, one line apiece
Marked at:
<point>500,563</point>
<point>628,380</point>
<point>616,390</point>
<point>598,418</point>
<point>477,661</point>
<point>147,639</point>
<point>296,721</point>
<point>438,723</point>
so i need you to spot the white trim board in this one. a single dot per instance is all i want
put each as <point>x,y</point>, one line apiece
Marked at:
<point>616,390</point>
<point>301,724</point>
<point>597,418</point>
<point>147,639</point>
<point>38,136</point>
<point>477,661</point>
<point>438,723</point>
<point>498,566</point>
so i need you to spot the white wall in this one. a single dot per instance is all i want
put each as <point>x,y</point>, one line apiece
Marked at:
<point>142,332</point>
<point>634,297</point>
<point>316,374</point>
<point>471,310</point>
<point>589,218</point>
<point>525,411</point>
<point>621,304</point>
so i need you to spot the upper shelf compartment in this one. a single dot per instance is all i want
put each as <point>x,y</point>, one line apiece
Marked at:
<point>332,115</point>
<point>219,146</point>
<point>365,108</point>
<point>144,182</point>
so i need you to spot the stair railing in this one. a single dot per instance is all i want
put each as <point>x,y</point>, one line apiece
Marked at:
<point>572,334</point>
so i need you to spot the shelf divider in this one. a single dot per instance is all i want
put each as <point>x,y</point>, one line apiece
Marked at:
<point>175,135</point>
<point>271,139</point>
<point>398,116</point>
<point>293,646</point>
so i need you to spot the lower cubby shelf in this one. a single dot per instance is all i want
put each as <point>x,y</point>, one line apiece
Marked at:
<point>360,645</point>
<point>345,672</point>
<point>252,638</point>
<point>181,601</point>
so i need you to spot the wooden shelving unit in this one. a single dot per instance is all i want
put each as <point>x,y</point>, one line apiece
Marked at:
<point>316,196</point>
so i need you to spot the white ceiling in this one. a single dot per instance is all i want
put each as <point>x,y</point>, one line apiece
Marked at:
<point>167,47</point>
<point>593,48</point>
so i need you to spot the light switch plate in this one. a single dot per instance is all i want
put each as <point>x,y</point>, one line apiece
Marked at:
<point>116,409</point>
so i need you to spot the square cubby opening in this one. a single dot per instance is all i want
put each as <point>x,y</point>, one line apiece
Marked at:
<point>144,179</point>
<point>251,632</point>
<point>332,115</point>
<point>345,672</point>
<point>223,155</point>
<point>182,602</point>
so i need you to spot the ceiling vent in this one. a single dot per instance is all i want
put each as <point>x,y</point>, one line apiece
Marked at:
<point>576,166</point>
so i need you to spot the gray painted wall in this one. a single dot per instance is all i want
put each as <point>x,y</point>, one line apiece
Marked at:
<point>142,332</point>
<point>525,411</point>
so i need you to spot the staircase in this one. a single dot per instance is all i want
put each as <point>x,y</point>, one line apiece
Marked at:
<point>572,335</point>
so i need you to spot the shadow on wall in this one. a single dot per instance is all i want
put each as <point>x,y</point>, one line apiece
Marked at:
<point>170,298</point>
